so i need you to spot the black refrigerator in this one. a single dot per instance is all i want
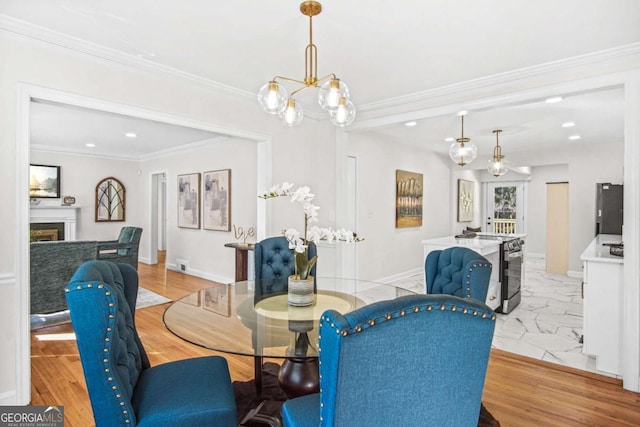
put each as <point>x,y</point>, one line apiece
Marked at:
<point>609,208</point>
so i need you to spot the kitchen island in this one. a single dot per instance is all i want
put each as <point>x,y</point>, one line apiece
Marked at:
<point>603,279</point>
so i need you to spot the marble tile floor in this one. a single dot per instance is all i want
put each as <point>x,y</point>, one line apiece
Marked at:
<point>546,325</point>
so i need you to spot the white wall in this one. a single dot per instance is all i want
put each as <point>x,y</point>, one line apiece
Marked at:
<point>388,250</point>
<point>469,175</point>
<point>204,249</point>
<point>79,177</point>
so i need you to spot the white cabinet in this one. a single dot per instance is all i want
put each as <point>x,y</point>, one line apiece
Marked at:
<point>603,278</point>
<point>487,248</point>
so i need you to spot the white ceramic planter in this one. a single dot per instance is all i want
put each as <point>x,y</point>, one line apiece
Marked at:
<point>300,291</point>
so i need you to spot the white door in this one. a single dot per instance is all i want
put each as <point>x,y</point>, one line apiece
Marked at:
<point>505,207</point>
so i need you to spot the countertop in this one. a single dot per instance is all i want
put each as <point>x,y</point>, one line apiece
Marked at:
<point>596,252</point>
<point>473,243</point>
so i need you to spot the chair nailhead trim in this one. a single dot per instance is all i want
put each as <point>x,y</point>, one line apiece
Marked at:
<point>386,317</point>
<point>107,340</point>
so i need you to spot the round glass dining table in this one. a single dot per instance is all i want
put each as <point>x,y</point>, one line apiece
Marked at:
<point>236,319</point>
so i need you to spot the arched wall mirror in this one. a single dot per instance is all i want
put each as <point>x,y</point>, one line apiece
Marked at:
<point>110,200</point>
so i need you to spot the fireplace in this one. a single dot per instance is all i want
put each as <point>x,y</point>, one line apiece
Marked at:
<point>46,232</point>
<point>50,218</point>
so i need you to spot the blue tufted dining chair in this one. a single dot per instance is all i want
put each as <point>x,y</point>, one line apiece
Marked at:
<point>458,271</point>
<point>274,263</point>
<point>413,361</point>
<point>123,388</point>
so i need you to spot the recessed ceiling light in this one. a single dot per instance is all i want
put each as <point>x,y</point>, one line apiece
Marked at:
<point>90,145</point>
<point>449,139</point>
<point>568,125</point>
<point>553,99</point>
<point>130,135</point>
<point>411,124</point>
<point>574,137</point>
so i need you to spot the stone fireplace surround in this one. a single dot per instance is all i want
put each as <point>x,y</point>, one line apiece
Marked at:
<point>56,214</point>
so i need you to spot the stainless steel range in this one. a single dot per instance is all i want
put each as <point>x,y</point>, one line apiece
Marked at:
<point>510,272</point>
<point>511,263</point>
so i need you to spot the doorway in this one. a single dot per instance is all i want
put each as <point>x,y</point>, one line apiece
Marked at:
<point>557,251</point>
<point>158,216</point>
<point>505,207</point>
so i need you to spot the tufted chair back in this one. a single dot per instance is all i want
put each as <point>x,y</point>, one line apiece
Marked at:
<point>458,271</point>
<point>124,390</point>
<point>274,263</point>
<point>101,298</point>
<point>416,360</point>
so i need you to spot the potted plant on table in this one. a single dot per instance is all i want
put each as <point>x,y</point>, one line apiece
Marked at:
<point>301,283</point>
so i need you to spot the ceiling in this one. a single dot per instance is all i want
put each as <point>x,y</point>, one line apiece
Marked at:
<point>65,128</point>
<point>381,50</point>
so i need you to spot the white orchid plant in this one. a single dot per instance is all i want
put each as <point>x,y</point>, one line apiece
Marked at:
<point>300,242</point>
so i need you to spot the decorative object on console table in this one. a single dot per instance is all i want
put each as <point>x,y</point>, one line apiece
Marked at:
<point>216,213</point>
<point>44,181</point>
<point>465,200</point>
<point>408,199</point>
<point>189,200</point>
<point>240,233</point>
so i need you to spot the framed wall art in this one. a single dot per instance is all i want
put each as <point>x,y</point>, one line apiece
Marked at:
<point>216,299</point>
<point>465,201</point>
<point>189,200</point>
<point>408,199</point>
<point>216,213</point>
<point>44,182</point>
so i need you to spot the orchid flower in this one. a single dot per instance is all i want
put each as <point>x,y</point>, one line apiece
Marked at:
<point>300,242</point>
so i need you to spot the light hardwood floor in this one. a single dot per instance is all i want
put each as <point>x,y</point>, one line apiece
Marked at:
<point>519,391</point>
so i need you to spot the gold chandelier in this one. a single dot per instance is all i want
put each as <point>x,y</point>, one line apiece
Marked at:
<point>332,97</point>
<point>498,164</point>
<point>463,151</point>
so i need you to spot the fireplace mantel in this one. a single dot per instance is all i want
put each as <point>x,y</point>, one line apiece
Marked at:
<point>65,214</point>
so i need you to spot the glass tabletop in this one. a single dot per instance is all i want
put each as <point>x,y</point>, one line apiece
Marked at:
<point>235,319</point>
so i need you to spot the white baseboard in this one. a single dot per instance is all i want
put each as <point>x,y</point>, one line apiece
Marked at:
<point>144,260</point>
<point>400,276</point>
<point>202,274</point>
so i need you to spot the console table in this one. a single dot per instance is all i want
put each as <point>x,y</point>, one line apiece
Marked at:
<point>242,259</point>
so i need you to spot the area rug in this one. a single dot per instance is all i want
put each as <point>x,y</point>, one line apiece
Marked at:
<point>146,298</point>
<point>245,392</point>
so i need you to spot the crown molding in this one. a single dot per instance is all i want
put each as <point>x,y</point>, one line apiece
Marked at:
<point>36,32</point>
<point>593,58</point>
